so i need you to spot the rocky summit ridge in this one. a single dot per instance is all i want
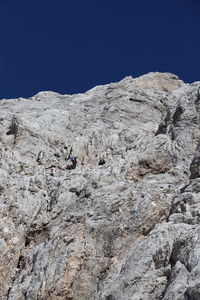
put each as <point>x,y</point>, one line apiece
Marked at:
<point>125,223</point>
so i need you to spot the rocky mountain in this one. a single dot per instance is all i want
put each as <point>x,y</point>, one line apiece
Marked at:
<point>125,223</point>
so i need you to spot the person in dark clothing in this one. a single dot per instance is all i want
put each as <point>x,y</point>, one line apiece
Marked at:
<point>74,161</point>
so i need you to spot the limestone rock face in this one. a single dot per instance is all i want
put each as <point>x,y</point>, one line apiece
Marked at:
<point>125,223</point>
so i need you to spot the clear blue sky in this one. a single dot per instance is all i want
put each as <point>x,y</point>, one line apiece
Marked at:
<point>71,46</point>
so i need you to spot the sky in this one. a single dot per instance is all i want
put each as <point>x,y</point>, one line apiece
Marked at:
<point>71,46</point>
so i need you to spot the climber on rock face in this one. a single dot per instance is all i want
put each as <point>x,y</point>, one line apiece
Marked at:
<point>73,160</point>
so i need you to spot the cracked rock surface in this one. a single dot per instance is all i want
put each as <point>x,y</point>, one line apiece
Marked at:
<point>125,223</point>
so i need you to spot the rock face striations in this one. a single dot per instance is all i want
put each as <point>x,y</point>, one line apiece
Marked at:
<point>125,223</point>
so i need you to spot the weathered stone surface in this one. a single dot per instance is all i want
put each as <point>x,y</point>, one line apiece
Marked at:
<point>125,223</point>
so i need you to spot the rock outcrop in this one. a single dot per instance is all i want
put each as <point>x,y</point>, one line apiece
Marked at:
<point>125,223</point>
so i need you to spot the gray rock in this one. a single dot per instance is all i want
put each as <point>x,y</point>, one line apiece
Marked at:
<point>124,224</point>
